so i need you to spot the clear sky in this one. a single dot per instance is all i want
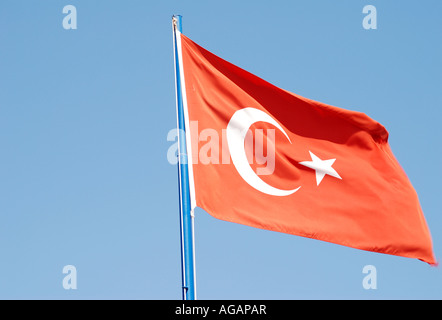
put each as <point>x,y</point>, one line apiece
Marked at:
<point>84,117</point>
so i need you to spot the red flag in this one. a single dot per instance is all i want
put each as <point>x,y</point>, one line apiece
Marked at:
<point>333,177</point>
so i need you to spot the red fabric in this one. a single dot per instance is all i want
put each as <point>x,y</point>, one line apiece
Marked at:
<point>372,207</point>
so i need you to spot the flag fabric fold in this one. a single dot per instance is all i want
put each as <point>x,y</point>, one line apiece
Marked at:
<point>334,177</point>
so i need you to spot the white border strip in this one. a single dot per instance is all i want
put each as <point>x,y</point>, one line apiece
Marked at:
<point>187,124</point>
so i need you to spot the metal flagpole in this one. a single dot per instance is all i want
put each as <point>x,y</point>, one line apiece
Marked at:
<point>186,212</point>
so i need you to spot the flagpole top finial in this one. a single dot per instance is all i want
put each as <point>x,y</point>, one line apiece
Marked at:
<point>176,21</point>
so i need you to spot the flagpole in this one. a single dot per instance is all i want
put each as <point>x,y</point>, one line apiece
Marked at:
<point>186,212</point>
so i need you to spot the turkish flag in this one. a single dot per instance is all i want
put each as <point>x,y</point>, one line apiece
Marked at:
<point>330,172</point>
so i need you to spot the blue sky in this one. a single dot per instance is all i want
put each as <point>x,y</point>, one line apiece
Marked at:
<point>84,117</point>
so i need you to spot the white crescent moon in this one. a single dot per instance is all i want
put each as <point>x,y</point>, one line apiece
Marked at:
<point>236,132</point>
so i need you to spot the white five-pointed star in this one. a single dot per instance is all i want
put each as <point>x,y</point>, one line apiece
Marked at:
<point>322,167</point>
